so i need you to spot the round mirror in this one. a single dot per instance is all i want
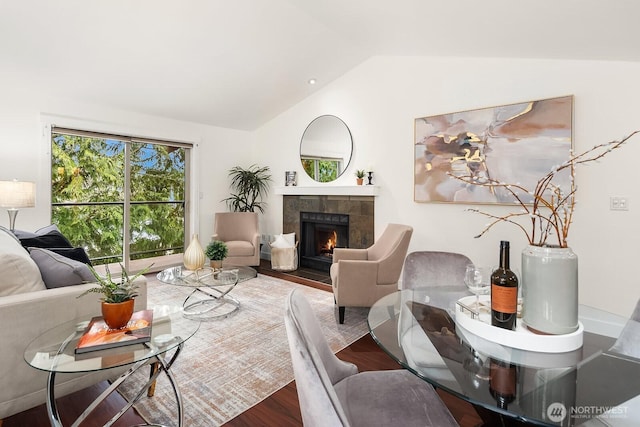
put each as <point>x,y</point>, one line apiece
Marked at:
<point>325,149</point>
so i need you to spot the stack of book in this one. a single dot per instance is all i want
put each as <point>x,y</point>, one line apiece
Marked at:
<point>98,336</point>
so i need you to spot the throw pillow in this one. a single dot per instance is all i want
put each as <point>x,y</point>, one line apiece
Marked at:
<point>77,254</point>
<point>290,238</point>
<point>52,239</point>
<point>21,234</point>
<point>284,241</point>
<point>58,271</point>
<point>8,237</point>
<point>18,272</point>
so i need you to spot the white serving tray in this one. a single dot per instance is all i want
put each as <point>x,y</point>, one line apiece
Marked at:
<point>521,338</point>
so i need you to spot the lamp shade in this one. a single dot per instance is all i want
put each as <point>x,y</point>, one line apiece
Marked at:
<point>17,194</point>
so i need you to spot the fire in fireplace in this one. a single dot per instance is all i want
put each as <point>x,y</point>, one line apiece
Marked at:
<point>320,233</point>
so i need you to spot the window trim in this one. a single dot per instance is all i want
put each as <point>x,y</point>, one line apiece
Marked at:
<point>189,155</point>
<point>120,137</point>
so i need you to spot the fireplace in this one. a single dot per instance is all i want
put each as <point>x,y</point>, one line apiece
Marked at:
<point>320,233</point>
<point>357,216</point>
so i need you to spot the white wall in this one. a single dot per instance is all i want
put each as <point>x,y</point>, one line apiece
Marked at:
<point>25,151</point>
<point>379,101</point>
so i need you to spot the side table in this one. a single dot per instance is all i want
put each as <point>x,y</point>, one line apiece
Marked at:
<point>54,352</point>
<point>212,286</point>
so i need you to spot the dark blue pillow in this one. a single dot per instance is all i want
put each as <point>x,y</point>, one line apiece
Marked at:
<point>52,239</point>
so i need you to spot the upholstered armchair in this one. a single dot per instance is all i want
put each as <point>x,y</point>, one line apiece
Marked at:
<point>333,393</point>
<point>239,230</point>
<point>360,277</point>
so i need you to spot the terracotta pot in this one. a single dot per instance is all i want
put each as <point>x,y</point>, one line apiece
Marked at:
<point>359,181</point>
<point>117,315</point>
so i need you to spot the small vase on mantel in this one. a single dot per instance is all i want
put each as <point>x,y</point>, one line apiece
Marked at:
<point>550,289</point>
<point>194,257</point>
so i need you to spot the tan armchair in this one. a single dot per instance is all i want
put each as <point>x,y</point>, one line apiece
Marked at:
<point>239,230</point>
<point>360,277</point>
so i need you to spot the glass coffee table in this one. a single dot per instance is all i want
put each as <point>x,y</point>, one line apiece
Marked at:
<point>209,298</point>
<point>54,352</point>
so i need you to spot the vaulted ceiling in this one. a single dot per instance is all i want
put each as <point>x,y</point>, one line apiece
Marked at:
<point>239,63</point>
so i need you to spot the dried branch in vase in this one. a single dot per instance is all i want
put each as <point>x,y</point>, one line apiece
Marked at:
<point>551,212</point>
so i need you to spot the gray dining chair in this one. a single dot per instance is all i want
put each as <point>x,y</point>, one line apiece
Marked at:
<point>332,392</point>
<point>434,268</point>
<point>628,343</point>
<point>423,269</point>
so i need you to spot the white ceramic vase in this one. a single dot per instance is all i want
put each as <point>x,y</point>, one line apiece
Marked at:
<point>194,257</point>
<point>550,289</point>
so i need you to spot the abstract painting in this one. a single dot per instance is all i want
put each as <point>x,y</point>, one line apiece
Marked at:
<point>514,144</point>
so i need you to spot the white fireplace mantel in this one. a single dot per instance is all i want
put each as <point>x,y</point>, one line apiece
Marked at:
<point>326,190</point>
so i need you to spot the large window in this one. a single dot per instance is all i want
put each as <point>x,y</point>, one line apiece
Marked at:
<point>121,198</point>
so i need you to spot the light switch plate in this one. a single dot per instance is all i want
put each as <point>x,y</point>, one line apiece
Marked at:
<point>618,204</point>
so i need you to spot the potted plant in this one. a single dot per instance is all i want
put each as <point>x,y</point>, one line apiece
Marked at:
<point>216,251</point>
<point>248,188</point>
<point>118,295</point>
<point>360,176</point>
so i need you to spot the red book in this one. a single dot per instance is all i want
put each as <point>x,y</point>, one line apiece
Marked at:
<point>98,336</point>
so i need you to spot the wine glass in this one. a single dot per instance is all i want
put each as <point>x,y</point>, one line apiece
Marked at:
<point>477,280</point>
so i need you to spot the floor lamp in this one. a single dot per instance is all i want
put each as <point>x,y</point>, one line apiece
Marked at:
<point>15,195</point>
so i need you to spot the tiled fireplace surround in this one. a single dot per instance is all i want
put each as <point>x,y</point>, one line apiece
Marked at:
<point>359,208</point>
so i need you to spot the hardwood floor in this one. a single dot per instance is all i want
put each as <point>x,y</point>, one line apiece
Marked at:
<point>280,409</point>
<point>72,405</point>
<point>304,276</point>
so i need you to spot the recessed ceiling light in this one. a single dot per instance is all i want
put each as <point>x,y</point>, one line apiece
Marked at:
<point>311,81</point>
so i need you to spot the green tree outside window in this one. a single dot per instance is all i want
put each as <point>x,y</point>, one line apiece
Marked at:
<point>88,196</point>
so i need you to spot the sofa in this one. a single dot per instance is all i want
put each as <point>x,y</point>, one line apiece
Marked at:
<point>28,308</point>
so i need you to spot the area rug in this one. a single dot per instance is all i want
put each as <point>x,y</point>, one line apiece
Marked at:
<point>229,365</point>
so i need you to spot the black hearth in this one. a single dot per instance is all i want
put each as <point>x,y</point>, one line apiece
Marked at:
<point>320,233</point>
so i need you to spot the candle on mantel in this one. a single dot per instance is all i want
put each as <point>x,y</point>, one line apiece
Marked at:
<point>370,174</point>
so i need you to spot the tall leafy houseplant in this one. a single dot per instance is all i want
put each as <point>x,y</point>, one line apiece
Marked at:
<point>248,187</point>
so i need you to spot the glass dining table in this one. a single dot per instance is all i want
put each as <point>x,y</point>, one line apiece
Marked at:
<point>590,386</point>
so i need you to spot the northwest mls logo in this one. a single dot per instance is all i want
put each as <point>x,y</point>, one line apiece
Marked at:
<point>556,412</point>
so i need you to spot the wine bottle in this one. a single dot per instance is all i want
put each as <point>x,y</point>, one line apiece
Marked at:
<point>503,380</point>
<point>504,292</point>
